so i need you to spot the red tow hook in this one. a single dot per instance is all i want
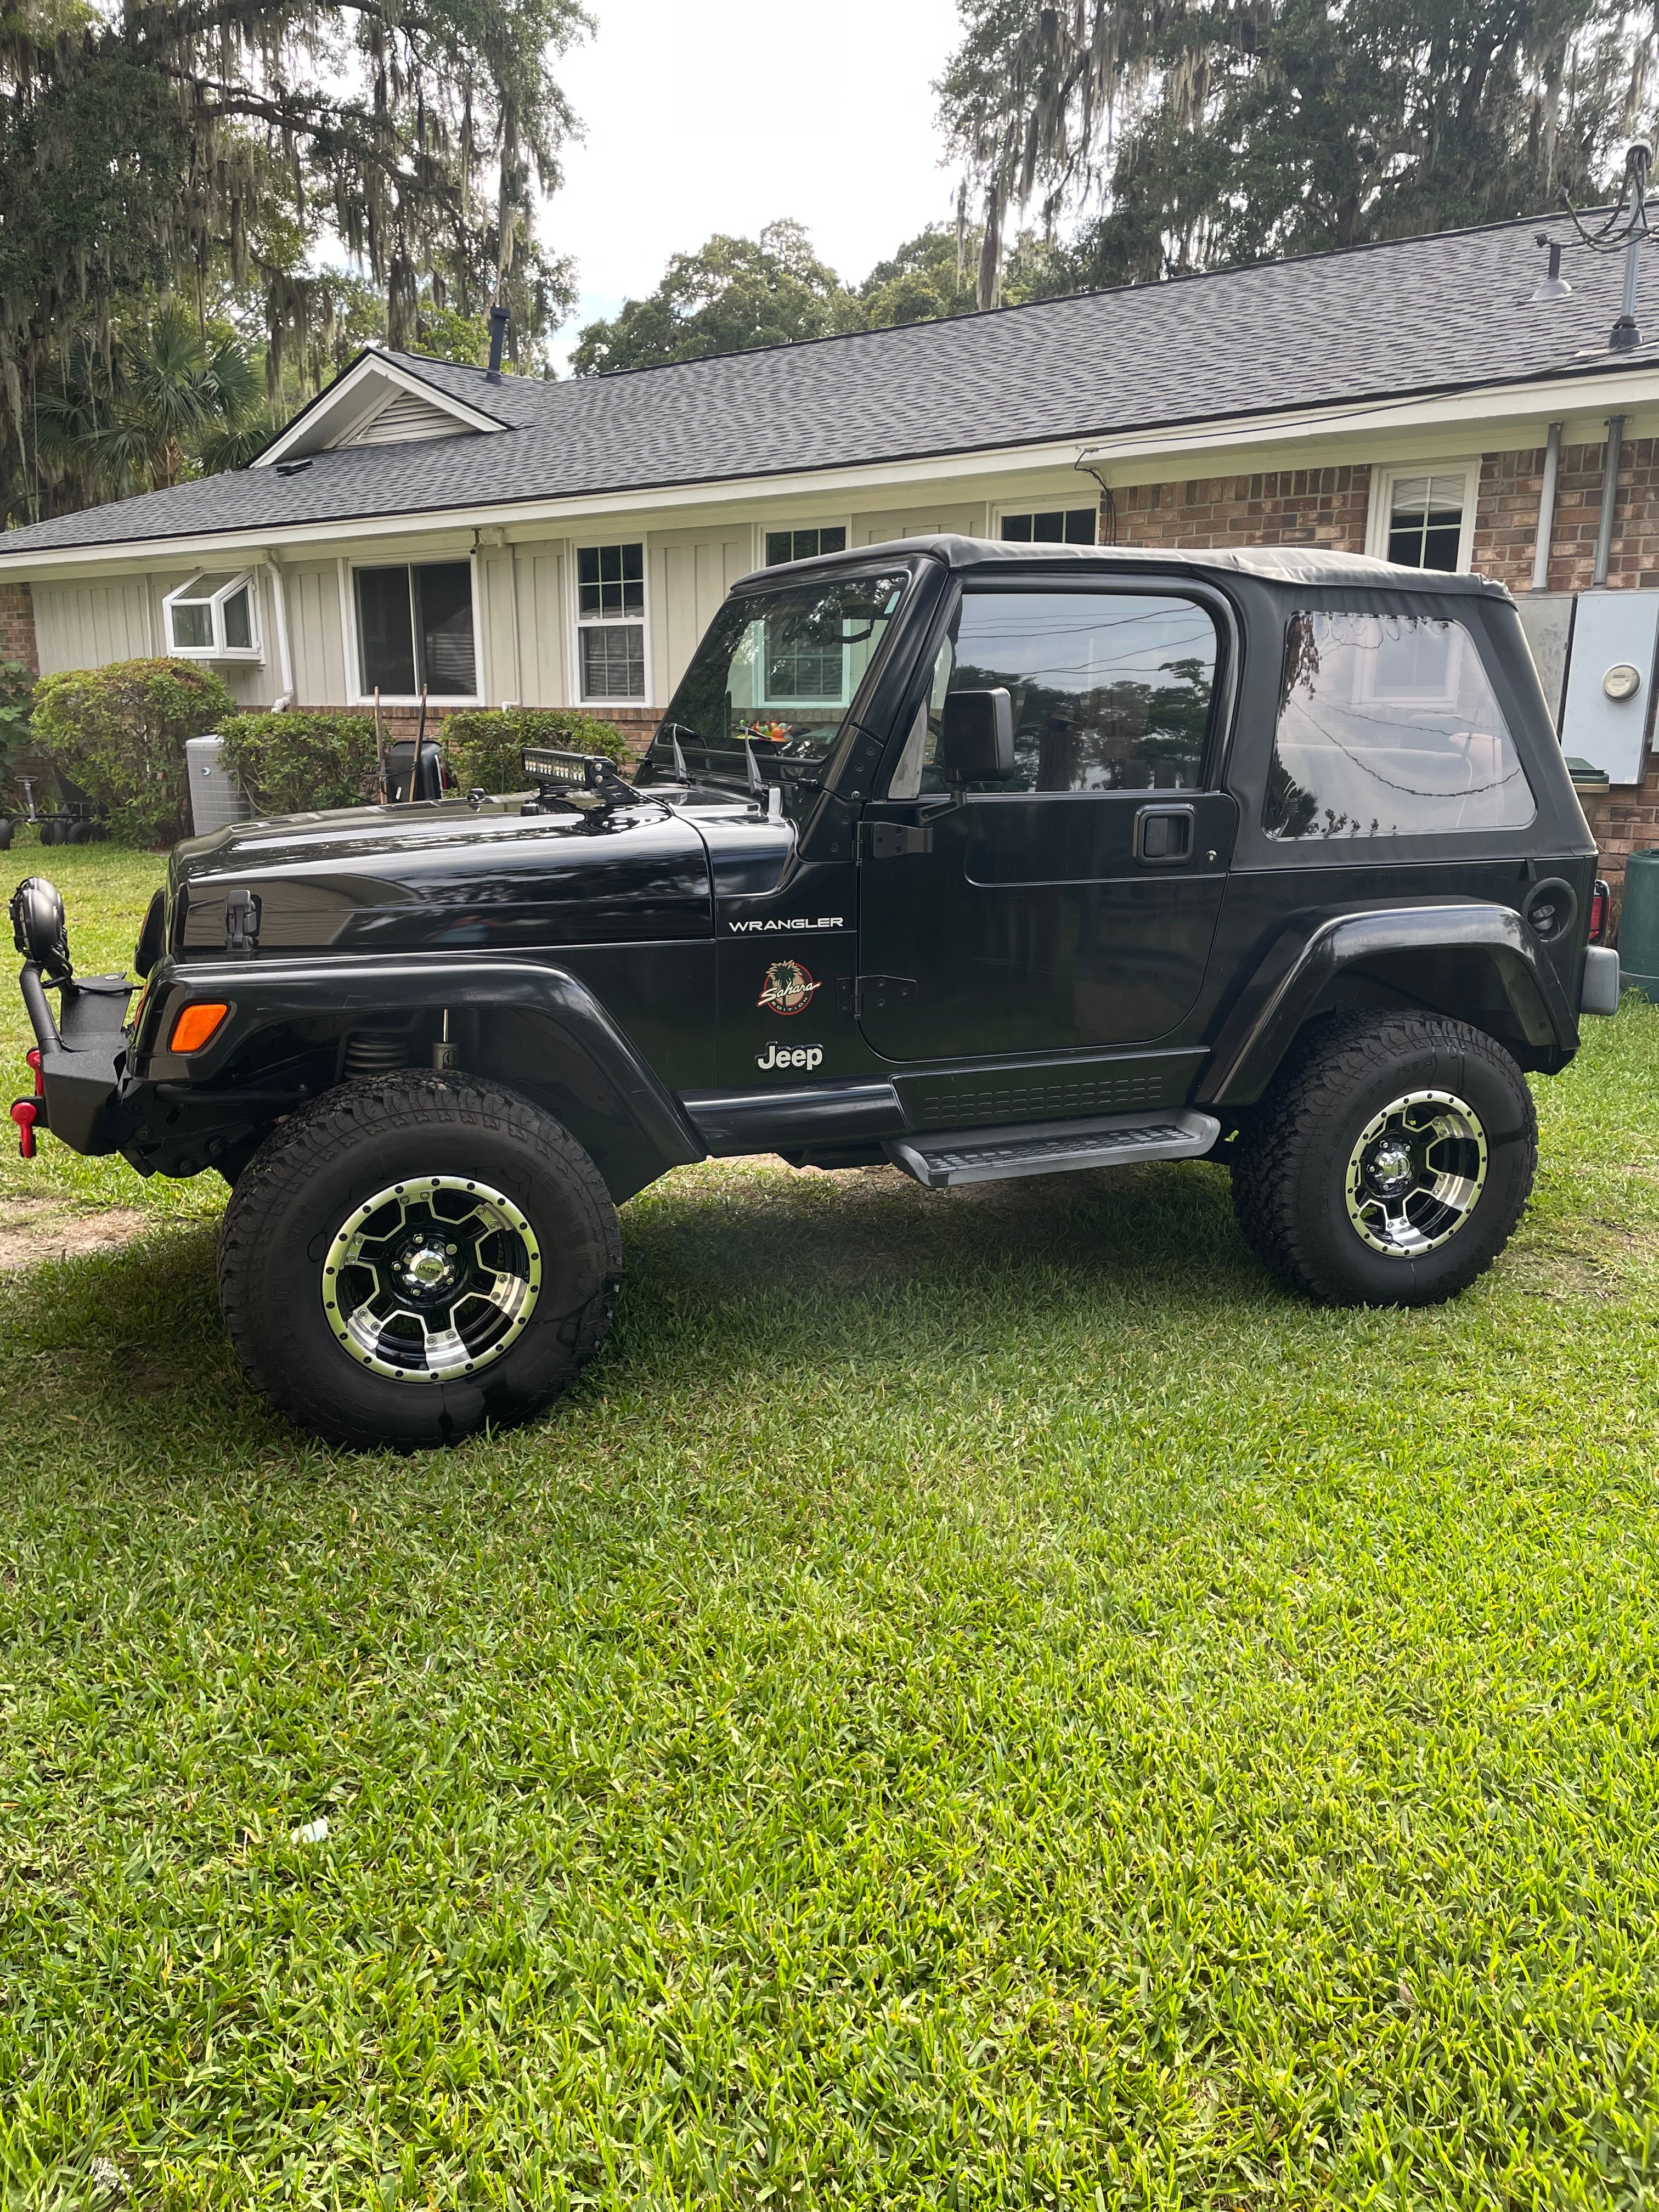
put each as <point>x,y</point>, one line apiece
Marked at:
<point>25,1113</point>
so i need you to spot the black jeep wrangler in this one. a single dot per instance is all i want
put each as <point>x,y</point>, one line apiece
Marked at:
<point>980,859</point>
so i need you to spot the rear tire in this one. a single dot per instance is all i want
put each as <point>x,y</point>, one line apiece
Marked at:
<point>1390,1160</point>
<point>410,1257</point>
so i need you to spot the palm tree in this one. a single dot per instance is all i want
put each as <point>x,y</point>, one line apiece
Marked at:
<point>170,400</point>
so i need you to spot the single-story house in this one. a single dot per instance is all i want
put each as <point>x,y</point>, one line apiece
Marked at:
<point>492,539</point>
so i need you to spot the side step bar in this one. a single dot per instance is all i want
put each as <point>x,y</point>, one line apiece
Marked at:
<point>944,1159</point>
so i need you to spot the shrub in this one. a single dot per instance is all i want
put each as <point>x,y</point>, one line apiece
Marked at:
<point>119,733</point>
<point>483,744</point>
<point>16,690</point>
<point>289,763</point>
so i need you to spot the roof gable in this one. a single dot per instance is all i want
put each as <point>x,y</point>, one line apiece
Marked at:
<point>379,401</point>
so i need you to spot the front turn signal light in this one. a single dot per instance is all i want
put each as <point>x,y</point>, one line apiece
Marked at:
<point>195,1026</point>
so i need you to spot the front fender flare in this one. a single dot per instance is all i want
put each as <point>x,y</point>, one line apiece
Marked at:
<point>1308,956</point>
<point>650,1131</point>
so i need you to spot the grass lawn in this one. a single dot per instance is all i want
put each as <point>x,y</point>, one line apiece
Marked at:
<point>977,1700</point>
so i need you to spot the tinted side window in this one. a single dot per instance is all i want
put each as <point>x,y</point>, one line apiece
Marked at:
<point>1111,690</point>
<point>1388,727</point>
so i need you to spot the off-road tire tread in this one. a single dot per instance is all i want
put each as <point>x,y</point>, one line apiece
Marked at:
<point>1315,1083</point>
<point>383,1106</point>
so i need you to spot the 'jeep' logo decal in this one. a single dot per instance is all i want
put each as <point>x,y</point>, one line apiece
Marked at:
<point>784,1055</point>
<point>788,988</point>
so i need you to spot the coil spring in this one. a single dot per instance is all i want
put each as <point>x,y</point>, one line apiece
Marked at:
<point>375,1052</point>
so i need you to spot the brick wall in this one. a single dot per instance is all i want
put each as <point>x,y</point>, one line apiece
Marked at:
<point>1283,506</point>
<point>17,626</point>
<point>1506,516</point>
<point>1625,820</point>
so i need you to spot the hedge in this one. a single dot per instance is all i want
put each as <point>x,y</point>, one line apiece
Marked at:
<point>119,733</point>
<point>482,743</point>
<point>287,764</point>
<point>291,762</point>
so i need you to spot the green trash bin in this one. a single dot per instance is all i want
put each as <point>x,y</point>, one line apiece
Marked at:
<point>1638,926</point>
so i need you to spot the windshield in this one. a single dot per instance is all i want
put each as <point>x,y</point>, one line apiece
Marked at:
<point>774,675</point>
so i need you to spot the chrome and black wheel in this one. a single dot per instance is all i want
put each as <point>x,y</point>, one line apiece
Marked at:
<point>412,1257</point>
<point>431,1279</point>
<point>1389,1162</point>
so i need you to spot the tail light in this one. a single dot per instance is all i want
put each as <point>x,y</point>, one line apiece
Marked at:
<point>1601,901</point>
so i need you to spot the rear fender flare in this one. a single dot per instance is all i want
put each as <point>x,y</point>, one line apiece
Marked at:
<point>582,1065</point>
<point>1308,957</point>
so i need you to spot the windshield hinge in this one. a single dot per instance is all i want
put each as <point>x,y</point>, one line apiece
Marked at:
<point>869,994</point>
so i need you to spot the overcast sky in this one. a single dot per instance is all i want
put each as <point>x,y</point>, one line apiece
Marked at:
<point>722,115</point>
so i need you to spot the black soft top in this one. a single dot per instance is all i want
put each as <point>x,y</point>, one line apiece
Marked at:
<point>1296,565</point>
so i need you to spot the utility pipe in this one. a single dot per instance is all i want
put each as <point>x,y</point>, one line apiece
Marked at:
<point>284,658</point>
<point>1540,559</point>
<point>1610,454</point>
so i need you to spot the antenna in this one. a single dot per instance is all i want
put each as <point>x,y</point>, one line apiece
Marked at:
<point>1623,232</point>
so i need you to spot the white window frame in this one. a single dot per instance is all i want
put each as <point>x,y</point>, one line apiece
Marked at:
<point>1387,474</point>
<point>579,621</point>
<point>1000,509</point>
<point>244,655</point>
<point>810,522</point>
<point>358,698</point>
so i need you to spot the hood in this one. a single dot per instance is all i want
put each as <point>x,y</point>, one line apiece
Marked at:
<point>444,875</point>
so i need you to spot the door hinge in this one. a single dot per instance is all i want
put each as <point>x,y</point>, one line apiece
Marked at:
<point>869,994</point>
<point>897,840</point>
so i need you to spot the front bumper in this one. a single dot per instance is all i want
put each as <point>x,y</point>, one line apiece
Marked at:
<point>83,1059</point>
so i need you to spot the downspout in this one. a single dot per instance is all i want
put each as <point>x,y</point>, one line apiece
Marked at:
<point>284,657</point>
<point>1540,559</point>
<point>1609,498</point>
<point>1107,494</point>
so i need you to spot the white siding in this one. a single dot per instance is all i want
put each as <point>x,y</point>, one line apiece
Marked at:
<point>313,621</point>
<point>542,620</point>
<point>966,520</point>
<point>687,579</point>
<point>498,676</point>
<point>84,625</point>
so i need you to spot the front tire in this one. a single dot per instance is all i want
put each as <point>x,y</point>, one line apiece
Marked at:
<point>409,1257</point>
<point>1390,1160</point>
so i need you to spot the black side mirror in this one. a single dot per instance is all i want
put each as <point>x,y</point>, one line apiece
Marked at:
<point>977,742</point>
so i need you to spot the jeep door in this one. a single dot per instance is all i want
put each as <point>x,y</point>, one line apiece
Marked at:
<point>1073,904</point>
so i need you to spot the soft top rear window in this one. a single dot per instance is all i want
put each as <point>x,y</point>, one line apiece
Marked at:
<point>1388,727</point>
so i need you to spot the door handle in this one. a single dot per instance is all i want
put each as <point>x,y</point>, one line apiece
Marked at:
<point>1165,835</point>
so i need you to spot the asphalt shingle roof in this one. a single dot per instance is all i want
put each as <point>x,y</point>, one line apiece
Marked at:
<point>1413,315</point>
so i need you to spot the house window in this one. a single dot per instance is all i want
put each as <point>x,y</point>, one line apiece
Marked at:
<point>610,620</point>
<point>1054,526</point>
<point>415,630</point>
<point>1425,521</point>
<point>212,619</point>
<point>803,545</point>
